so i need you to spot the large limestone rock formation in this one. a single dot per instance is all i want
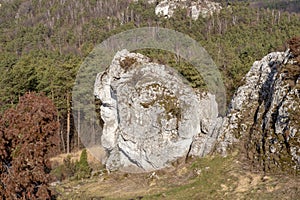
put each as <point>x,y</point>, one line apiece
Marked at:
<point>150,116</point>
<point>264,114</point>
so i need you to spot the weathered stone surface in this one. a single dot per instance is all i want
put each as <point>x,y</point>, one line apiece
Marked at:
<point>150,116</point>
<point>210,123</point>
<point>263,115</point>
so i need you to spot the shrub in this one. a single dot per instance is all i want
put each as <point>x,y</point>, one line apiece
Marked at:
<point>69,167</point>
<point>83,169</point>
<point>294,44</point>
<point>73,170</point>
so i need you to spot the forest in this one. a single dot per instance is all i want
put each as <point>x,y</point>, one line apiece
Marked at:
<point>44,42</point>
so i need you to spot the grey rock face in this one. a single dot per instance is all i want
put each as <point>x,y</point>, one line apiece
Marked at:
<point>150,116</point>
<point>210,123</point>
<point>265,113</point>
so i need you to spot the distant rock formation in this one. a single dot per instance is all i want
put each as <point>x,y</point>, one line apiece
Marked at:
<point>151,117</point>
<point>264,115</point>
<point>205,8</point>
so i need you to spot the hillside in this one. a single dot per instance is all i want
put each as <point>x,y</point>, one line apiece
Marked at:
<point>44,42</point>
<point>153,107</point>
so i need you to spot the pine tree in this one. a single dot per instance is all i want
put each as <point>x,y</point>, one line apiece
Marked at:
<point>83,169</point>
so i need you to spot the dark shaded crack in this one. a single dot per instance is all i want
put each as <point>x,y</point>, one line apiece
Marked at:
<point>114,96</point>
<point>147,159</point>
<point>275,118</point>
<point>201,129</point>
<point>130,159</point>
<point>265,97</point>
<point>190,148</point>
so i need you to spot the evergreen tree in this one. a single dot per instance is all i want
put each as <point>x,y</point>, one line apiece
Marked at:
<point>83,169</point>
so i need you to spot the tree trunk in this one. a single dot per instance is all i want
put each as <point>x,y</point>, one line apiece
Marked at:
<point>62,136</point>
<point>68,122</point>
<point>78,129</point>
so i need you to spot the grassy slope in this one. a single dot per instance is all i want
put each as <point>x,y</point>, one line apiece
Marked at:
<point>213,177</point>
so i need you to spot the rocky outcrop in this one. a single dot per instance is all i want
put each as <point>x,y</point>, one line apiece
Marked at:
<point>150,116</point>
<point>196,8</point>
<point>264,115</point>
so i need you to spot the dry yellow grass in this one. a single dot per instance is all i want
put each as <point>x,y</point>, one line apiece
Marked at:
<point>92,152</point>
<point>213,177</point>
